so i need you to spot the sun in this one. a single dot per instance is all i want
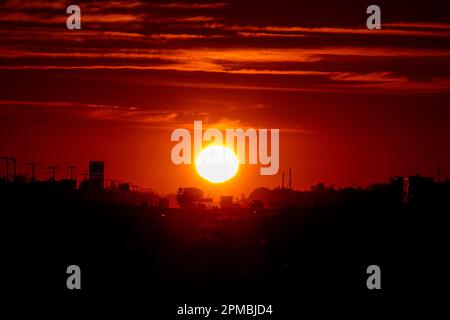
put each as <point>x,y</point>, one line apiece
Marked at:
<point>217,164</point>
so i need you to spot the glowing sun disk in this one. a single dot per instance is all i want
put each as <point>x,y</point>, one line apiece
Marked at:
<point>217,164</point>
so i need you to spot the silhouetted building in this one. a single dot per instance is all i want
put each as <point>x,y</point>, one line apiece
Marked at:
<point>405,190</point>
<point>97,174</point>
<point>417,189</point>
<point>124,187</point>
<point>256,204</point>
<point>163,203</point>
<point>226,202</point>
<point>204,203</point>
<point>68,184</point>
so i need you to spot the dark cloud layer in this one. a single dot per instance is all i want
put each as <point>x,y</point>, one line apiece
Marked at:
<point>236,37</point>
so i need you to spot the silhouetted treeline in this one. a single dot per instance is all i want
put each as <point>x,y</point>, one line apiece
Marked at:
<point>318,241</point>
<point>413,191</point>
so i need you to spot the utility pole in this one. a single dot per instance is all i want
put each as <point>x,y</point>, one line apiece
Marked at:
<point>290,179</point>
<point>73,182</point>
<point>53,170</point>
<point>33,170</point>
<point>71,168</point>
<point>15,168</point>
<point>439,174</point>
<point>7,167</point>
<point>85,174</point>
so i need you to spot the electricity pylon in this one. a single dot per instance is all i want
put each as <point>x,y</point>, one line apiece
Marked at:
<point>7,167</point>
<point>53,170</point>
<point>33,170</point>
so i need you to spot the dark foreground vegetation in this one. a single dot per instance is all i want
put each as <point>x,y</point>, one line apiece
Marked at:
<point>318,249</point>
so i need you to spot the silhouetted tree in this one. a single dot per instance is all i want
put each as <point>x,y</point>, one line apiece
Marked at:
<point>187,197</point>
<point>321,188</point>
<point>260,193</point>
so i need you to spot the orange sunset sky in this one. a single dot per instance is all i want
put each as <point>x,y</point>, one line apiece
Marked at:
<point>354,106</point>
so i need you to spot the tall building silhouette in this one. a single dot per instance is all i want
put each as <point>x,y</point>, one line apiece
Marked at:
<point>97,174</point>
